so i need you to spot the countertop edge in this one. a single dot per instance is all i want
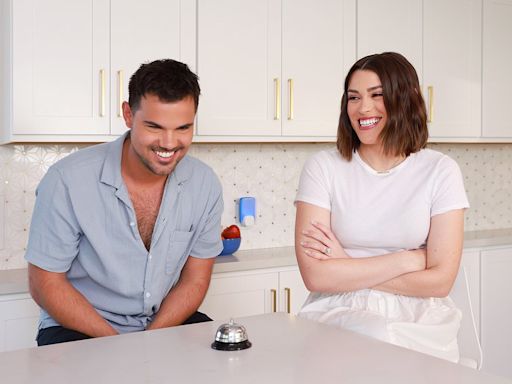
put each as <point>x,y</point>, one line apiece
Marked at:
<point>15,281</point>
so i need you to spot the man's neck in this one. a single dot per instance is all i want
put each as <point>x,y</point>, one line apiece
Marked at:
<point>134,172</point>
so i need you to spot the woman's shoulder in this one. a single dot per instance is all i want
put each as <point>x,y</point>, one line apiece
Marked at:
<point>328,157</point>
<point>433,158</point>
<point>435,164</point>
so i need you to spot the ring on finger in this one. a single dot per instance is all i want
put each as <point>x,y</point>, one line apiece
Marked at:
<point>327,250</point>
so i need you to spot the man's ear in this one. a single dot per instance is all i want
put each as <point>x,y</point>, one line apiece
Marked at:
<point>127,114</point>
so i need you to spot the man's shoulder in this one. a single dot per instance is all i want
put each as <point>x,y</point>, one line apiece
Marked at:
<point>197,169</point>
<point>83,158</point>
<point>201,181</point>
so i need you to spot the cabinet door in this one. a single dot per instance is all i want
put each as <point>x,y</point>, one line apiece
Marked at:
<point>497,62</point>
<point>392,25</point>
<point>452,67</point>
<point>496,310</point>
<point>60,67</point>
<point>471,262</point>
<point>240,294</point>
<point>143,31</point>
<point>19,316</point>
<point>239,67</point>
<point>318,48</point>
<point>292,291</point>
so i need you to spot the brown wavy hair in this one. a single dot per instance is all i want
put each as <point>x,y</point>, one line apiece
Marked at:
<point>406,129</point>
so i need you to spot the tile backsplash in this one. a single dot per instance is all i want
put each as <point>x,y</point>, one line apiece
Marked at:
<point>269,172</point>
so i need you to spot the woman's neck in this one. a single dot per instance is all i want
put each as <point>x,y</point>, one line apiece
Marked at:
<point>374,156</point>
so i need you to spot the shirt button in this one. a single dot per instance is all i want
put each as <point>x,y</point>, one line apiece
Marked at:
<point>148,294</point>
<point>132,224</point>
<point>150,256</point>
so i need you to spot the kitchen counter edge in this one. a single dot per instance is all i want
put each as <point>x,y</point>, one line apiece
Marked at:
<point>15,281</point>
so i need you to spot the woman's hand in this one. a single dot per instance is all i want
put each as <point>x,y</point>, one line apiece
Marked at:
<point>321,243</point>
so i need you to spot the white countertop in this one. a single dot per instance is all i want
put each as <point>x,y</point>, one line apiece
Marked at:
<point>285,349</point>
<point>15,280</point>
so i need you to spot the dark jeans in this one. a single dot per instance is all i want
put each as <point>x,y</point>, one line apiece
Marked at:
<point>55,335</point>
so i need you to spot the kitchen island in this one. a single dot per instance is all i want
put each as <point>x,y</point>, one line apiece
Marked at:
<point>285,349</point>
<point>258,281</point>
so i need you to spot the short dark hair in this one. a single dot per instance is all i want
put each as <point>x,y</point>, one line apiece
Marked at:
<point>168,79</point>
<point>406,129</point>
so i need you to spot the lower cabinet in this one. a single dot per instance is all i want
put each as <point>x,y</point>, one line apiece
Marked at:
<point>19,316</point>
<point>471,263</point>
<point>237,294</point>
<point>292,291</point>
<point>496,310</point>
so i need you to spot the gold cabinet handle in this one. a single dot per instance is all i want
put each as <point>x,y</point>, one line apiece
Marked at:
<point>430,104</point>
<point>102,92</point>
<point>120,93</point>
<point>288,292</point>
<point>277,87</point>
<point>274,300</point>
<point>290,91</point>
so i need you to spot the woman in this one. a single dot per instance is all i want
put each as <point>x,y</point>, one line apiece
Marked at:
<point>380,219</point>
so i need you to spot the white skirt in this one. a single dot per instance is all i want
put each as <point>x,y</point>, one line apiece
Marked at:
<point>427,325</point>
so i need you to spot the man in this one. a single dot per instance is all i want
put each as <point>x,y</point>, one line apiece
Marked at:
<point>124,234</point>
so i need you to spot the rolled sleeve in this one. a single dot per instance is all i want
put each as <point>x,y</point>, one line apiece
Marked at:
<point>209,243</point>
<point>314,184</point>
<point>448,192</point>
<point>54,231</point>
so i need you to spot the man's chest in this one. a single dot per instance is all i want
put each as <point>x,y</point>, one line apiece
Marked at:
<point>146,204</point>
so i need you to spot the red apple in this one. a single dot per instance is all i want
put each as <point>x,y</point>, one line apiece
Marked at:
<point>231,232</point>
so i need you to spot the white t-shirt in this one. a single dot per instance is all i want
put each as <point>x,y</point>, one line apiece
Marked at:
<point>376,213</point>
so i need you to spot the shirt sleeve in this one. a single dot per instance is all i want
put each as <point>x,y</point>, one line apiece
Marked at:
<point>315,183</point>
<point>448,192</point>
<point>209,243</point>
<point>54,231</point>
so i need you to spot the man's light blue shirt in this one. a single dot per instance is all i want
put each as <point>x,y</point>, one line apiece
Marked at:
<point>84,224</point>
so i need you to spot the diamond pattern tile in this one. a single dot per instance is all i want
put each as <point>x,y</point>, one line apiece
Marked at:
<point>269,172</point>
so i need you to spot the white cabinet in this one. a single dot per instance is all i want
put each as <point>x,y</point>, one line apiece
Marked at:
<point>59,67</point>
<point>19,316</point>
<point>236,294</point>
<point>442,39</point>
<point>452,67</point>
<point>497,61</point>
<point>272,68</point>
<point>496,310</point>
<point>471,262</point>
<point>143,31</point>
<point>400,30</point>
<point>318,48</point>
<point>292,291</point>
<point>71,62</point>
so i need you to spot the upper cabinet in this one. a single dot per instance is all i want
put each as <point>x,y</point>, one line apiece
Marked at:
<point>69,64</point>
<point>452,51</point>
<point>272,68</point>
<point>399,31</point>
<point>143,31</point>
<point>59,67</point>
<point>497,64</point>
<point>442,39</point>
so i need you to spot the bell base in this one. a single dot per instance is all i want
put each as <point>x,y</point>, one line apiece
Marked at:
<point>231,346</point>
